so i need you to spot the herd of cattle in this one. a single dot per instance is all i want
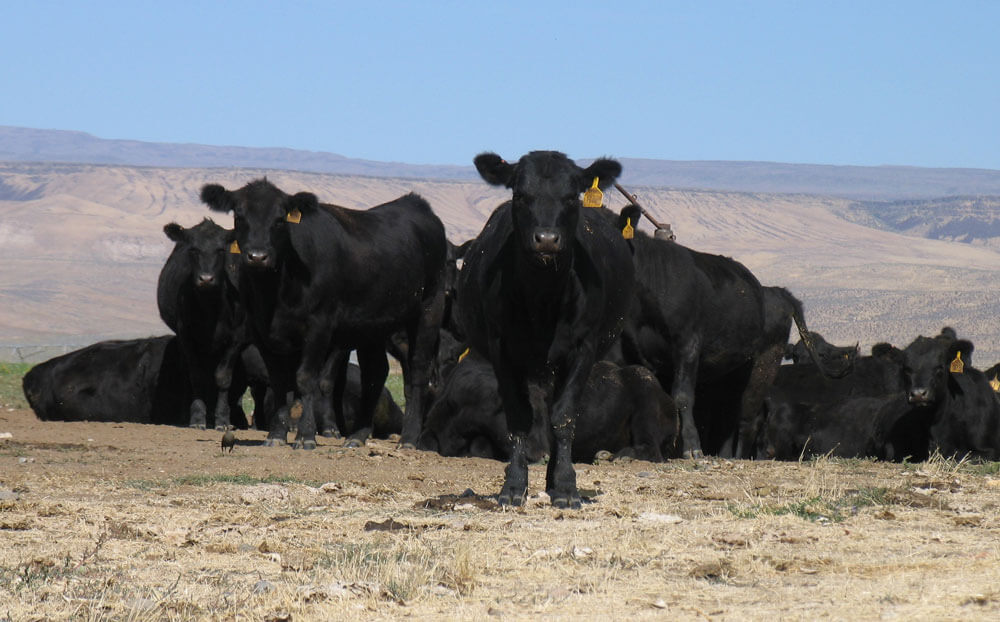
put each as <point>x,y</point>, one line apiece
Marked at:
<point>561,330</point>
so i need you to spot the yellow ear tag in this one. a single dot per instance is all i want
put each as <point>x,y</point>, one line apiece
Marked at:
<point>294,216</point>
<point>593,197</point>
<point>234,248</point>
<point>995,384</point>
<point>463,355</point>
<point>957,366</point>
<point>628,232</point>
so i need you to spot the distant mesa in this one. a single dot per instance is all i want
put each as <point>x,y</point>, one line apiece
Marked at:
<point>868,183</point>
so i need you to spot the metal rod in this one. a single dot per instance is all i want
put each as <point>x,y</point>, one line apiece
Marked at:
<point>632,199</point>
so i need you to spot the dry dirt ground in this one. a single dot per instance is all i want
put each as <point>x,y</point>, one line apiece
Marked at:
<point>132,522</point>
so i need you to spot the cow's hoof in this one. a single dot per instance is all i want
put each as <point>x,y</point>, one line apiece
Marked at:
<point>696,454</point>
<point>329,433</point>
<point>197,426</point>
<point>353,443</point>
<point>510,500</point>
<point>274,442</point>
<point>407,446</point>
<point>221,428</point>
<point>299,444</point>
<point>566,501</point>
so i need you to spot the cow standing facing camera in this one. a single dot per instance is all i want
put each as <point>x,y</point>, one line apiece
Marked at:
<point>542,294</point>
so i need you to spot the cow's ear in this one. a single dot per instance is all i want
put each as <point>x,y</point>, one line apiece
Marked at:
<point>887,351</point>
<point>629,217</point>
<point>174,231</point>
<point>305,202</point>
<point>493,169</point>
<point>605,170</point>
<point>217,198</point>
<point>961,347</point>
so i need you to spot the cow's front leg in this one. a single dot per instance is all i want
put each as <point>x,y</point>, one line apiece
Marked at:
<point>515,484</point>
<point>560,476</point>
<point>518,412</point>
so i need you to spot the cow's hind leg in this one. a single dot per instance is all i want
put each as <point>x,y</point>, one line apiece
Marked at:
<point>199,415</point>
<point>374,370</point>
<point>423,337</point>
<point>682,389</point>
<point>329,409</point>
<point>224,373</point>
<point>278,370</point>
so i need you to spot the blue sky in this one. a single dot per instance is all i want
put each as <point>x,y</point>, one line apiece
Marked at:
<point>912,83</point>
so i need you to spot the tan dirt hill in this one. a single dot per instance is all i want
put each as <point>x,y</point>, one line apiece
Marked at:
<point>82,246</point>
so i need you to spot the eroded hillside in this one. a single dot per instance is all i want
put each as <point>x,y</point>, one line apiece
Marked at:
<point>82,246</point>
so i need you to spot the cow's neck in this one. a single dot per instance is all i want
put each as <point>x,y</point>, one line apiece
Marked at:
<point>538,291</point>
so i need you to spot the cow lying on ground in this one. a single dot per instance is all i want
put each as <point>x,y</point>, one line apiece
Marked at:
<point>542,294</point>
<point>136,380</point>
<point>956,400</point>
<point>623,410</point>
<point>318,280</point>
<point>808,414</point>
<point>895,405</point>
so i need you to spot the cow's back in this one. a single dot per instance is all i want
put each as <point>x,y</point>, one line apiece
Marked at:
<point>373,265</point>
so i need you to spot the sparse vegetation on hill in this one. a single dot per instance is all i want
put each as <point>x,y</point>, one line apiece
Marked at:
<point>82,246</point>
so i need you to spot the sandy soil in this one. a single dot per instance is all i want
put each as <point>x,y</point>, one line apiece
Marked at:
<point>132,522</point>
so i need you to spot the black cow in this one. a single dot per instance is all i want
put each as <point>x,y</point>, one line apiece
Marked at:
<point>709,330</point>
<point>197,298</point>
<point>319,279</point>
<point>623,410</point>
<point>857,415</point>
<point>136,380</point>
<point>955,399</point>
<point>543,293</point>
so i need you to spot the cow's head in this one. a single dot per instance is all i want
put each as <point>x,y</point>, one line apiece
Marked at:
<point>546,202</point>
<point>261,215</point>
<point>926,365</point>
<point>204,246</point>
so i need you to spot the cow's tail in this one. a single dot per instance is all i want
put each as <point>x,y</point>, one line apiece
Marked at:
<point>800,323</point>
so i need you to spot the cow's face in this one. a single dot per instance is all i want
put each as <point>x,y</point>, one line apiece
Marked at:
<point>925,365</point>
<point>205,246</point>
<point>260,217</point>
<point>545,206</point>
